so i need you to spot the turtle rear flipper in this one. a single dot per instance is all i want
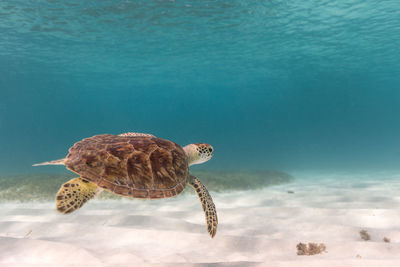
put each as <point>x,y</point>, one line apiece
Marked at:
<point>207,203</point>
<point>74,193</point>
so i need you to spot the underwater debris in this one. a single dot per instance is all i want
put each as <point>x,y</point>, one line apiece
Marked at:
<point>310,249</point>
<point>387,240</point>
<point>364,235</point>
<point>28,233</point>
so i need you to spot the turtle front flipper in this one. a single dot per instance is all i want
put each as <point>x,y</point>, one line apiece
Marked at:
<point>74,193</point>
<point>207,203</point>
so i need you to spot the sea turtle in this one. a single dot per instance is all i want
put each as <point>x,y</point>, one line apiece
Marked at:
<point>135,165</point>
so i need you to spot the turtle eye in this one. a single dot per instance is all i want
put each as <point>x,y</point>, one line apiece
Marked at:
<point>210,149</point>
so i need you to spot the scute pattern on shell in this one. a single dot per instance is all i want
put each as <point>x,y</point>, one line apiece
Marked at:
<point>138,167</point>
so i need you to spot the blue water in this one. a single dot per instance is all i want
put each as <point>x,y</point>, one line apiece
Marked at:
<point>283,85</point>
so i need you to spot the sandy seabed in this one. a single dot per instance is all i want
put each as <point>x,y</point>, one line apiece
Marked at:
<point>256,228</point>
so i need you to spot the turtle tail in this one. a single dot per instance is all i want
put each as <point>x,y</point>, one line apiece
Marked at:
<point>53,162</point>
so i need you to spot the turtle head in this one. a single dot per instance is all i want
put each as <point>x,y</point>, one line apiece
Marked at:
<point>198,153</point>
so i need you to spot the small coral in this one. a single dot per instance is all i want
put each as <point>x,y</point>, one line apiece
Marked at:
<point>364,235</point>
<point>310,248</point>
<point>387,240</point>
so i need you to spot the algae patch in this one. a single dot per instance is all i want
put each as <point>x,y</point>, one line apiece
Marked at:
<point>44,187</point>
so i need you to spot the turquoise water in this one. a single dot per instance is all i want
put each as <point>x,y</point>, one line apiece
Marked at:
<point>272,85</point>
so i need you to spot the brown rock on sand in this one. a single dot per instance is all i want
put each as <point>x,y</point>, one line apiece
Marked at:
<point>387,240</point>
<point>364,235</point>
<point>310,249</point>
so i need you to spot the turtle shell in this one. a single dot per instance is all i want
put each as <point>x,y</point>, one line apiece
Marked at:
<point>134,166</point>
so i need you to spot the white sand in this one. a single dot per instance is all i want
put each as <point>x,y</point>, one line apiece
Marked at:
<point>257,228</point>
